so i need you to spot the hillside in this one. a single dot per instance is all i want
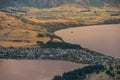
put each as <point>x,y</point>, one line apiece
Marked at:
<point>14,32</point>
<point>54,3</point>
<point>37,25</point>
<point>92,72</point>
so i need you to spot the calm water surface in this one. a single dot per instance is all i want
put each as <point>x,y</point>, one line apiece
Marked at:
<point>34,70</point>
<point>101,38</point>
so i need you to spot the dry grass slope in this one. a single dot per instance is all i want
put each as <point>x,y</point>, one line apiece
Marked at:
<point>14,32</point>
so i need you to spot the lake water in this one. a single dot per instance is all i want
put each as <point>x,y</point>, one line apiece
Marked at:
<point>100,38</point>
<point>33,69</point>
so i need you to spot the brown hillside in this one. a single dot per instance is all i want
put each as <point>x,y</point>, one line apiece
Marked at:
<point>14,32</point>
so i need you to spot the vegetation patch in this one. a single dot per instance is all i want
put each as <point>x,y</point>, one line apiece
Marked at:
<point>19,41</point>
<point>53,36</point>
<point>100,71</point>
<point>40,35</point>
<point>81,74</point>
<point>62,45</point>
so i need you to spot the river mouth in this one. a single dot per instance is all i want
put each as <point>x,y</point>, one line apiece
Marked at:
<point>34,69</point>
<point>101,38</point>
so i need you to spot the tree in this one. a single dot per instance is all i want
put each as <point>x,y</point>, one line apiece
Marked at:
<point>110,73</point>
<point>57,78</point>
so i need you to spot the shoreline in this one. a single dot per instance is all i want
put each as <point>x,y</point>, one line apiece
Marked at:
<point>83,41</point>
<point>83,56</point>
<point>50,60</point>
<point>86,26</point>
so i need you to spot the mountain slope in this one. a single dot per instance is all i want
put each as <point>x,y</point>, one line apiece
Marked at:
<point>14,32</point>
<point>54,3</point>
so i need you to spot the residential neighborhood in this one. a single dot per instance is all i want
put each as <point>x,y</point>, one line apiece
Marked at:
<point>75,55</point>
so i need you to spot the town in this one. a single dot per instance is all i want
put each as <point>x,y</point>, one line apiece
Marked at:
<point>83,55</point>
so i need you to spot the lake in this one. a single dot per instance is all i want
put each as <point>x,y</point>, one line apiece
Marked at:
<point>101,38</point>
<point>34,69</point>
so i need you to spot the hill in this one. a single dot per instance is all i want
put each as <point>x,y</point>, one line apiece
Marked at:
<point>54,3</point>
<point>14,32</point>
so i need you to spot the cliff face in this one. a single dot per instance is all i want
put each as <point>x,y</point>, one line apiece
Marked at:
<point>54,3</point>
